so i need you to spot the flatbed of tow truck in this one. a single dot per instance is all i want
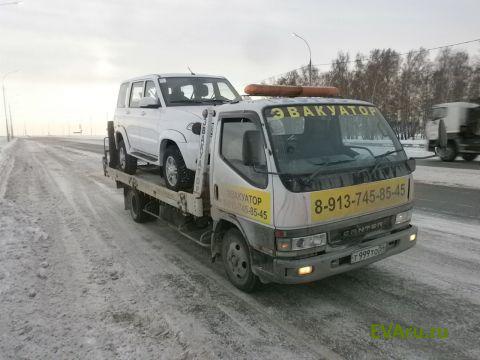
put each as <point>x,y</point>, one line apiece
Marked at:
<point>188,212</point>
<point>153,185</point>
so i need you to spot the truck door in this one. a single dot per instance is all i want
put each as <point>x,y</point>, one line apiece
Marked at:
<point>241,184</point>
<point>473,122</point>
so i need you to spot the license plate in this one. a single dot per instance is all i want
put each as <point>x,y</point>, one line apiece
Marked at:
<point>367,253</point>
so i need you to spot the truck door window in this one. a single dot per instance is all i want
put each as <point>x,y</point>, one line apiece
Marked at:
<point>151,90</point>
<point>235,133</point>
<point>122,96</point>
<point>136,94</point>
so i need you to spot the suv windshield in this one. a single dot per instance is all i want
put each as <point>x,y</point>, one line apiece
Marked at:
<point>191,90</point>
<point>314,139</point>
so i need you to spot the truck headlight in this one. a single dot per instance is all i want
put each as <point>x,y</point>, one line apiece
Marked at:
<point>403,217</point>
<point>301,243</point>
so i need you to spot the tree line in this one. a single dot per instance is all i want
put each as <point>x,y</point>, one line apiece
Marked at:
<point>404,87</point>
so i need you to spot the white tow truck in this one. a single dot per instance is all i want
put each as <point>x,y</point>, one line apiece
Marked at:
<point>291,188</point>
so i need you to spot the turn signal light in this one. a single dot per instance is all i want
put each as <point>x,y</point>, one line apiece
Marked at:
<point>413,237</point>
<point>305,270</point>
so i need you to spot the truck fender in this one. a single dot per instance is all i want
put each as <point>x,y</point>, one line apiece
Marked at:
<point>219,228</point>
<point>169,136</point>
<point>257,257</point>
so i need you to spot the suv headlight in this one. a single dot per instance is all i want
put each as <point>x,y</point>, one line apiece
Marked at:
<point>301,243</point>
<point>403,217</point>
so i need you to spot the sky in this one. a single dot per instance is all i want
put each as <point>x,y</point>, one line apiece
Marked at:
<point>72,55</point>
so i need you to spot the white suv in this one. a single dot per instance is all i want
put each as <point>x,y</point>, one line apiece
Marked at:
<point>155,117</point>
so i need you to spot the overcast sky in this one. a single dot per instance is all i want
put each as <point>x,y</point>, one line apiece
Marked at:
<point>72,55</point>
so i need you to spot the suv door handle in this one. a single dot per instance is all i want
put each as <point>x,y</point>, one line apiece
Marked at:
<point>143,113</point>
<point>127,112</point>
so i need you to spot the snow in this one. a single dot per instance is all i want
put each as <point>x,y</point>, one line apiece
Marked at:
<point>80,279</point>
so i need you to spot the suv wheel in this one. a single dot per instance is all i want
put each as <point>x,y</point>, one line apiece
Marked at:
<point>126,162</point>
<point>176,174</point>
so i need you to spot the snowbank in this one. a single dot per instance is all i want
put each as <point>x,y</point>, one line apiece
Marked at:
<point>5,164</point>
<point>413,143</point>
<point>466,178</point>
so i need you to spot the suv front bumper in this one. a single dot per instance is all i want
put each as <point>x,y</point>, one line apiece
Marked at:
<point>332,263</point>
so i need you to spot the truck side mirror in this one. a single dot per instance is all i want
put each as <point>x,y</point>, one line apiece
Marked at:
<point>252,152</point>
<point>197,128</point>
<point>149,102</point>
<point>411,164</point>
<point>442,135</point>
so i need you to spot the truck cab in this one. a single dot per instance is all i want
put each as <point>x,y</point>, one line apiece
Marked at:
<point>462,122</point>
<point>316,186</point>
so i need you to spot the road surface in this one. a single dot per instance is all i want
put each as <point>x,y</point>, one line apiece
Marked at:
<point>80,279</point>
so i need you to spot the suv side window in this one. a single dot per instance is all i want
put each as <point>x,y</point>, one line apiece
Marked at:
<point>122,96</point>
<point>150,90</point>
<point>136,94</point>
<point>234,136</point>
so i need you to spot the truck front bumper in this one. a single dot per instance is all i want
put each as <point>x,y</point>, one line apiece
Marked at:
<point>336,262</point>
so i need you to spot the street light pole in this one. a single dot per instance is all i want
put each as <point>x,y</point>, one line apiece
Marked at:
<point>11,121</point>
<point>5,102</point>
<point>310,57</point>
<point>5,108</point>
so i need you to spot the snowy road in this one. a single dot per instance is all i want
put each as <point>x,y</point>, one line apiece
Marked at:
<point>80,279</point>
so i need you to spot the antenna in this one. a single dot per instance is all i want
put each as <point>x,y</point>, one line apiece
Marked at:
<point>191,72</point>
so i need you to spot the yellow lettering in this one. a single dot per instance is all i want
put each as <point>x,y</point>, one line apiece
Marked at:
<point>293,112</point>
<point>352,109</point>
<point>373,111</point>
<point>374,330</point>
<point>332,109</point>
<point>343,111</point>
<point>363,110</point>
<point>307,111</point>
<point>277,113</point>
<point>319,110</point>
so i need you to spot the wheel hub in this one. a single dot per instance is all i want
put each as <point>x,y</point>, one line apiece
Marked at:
<point>171,171</point>
<point>122,158</point>
<point>237,260</point>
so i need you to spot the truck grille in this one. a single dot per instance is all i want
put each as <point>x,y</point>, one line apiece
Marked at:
<point>359,232</point>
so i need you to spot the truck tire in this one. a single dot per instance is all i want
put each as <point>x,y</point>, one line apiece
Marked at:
<point>126,162</point>
<point>176,174</point>
<point>236,260</point>
<point>469,157</point>
<point>136,204</point>
<point>449,153</point>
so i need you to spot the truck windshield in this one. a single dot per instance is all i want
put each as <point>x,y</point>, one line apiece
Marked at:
<point>193,90</point>
<point>312,139</point>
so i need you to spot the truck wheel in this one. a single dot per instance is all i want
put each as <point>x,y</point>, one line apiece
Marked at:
<point>176,174</point>
<point>449,153</point>
<point>136,204</point>
<point>126,162</point>
<point>469,157</point>
<point>236,260</point>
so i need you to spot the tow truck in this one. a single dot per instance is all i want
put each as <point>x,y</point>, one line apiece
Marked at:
<point>290,188</point>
